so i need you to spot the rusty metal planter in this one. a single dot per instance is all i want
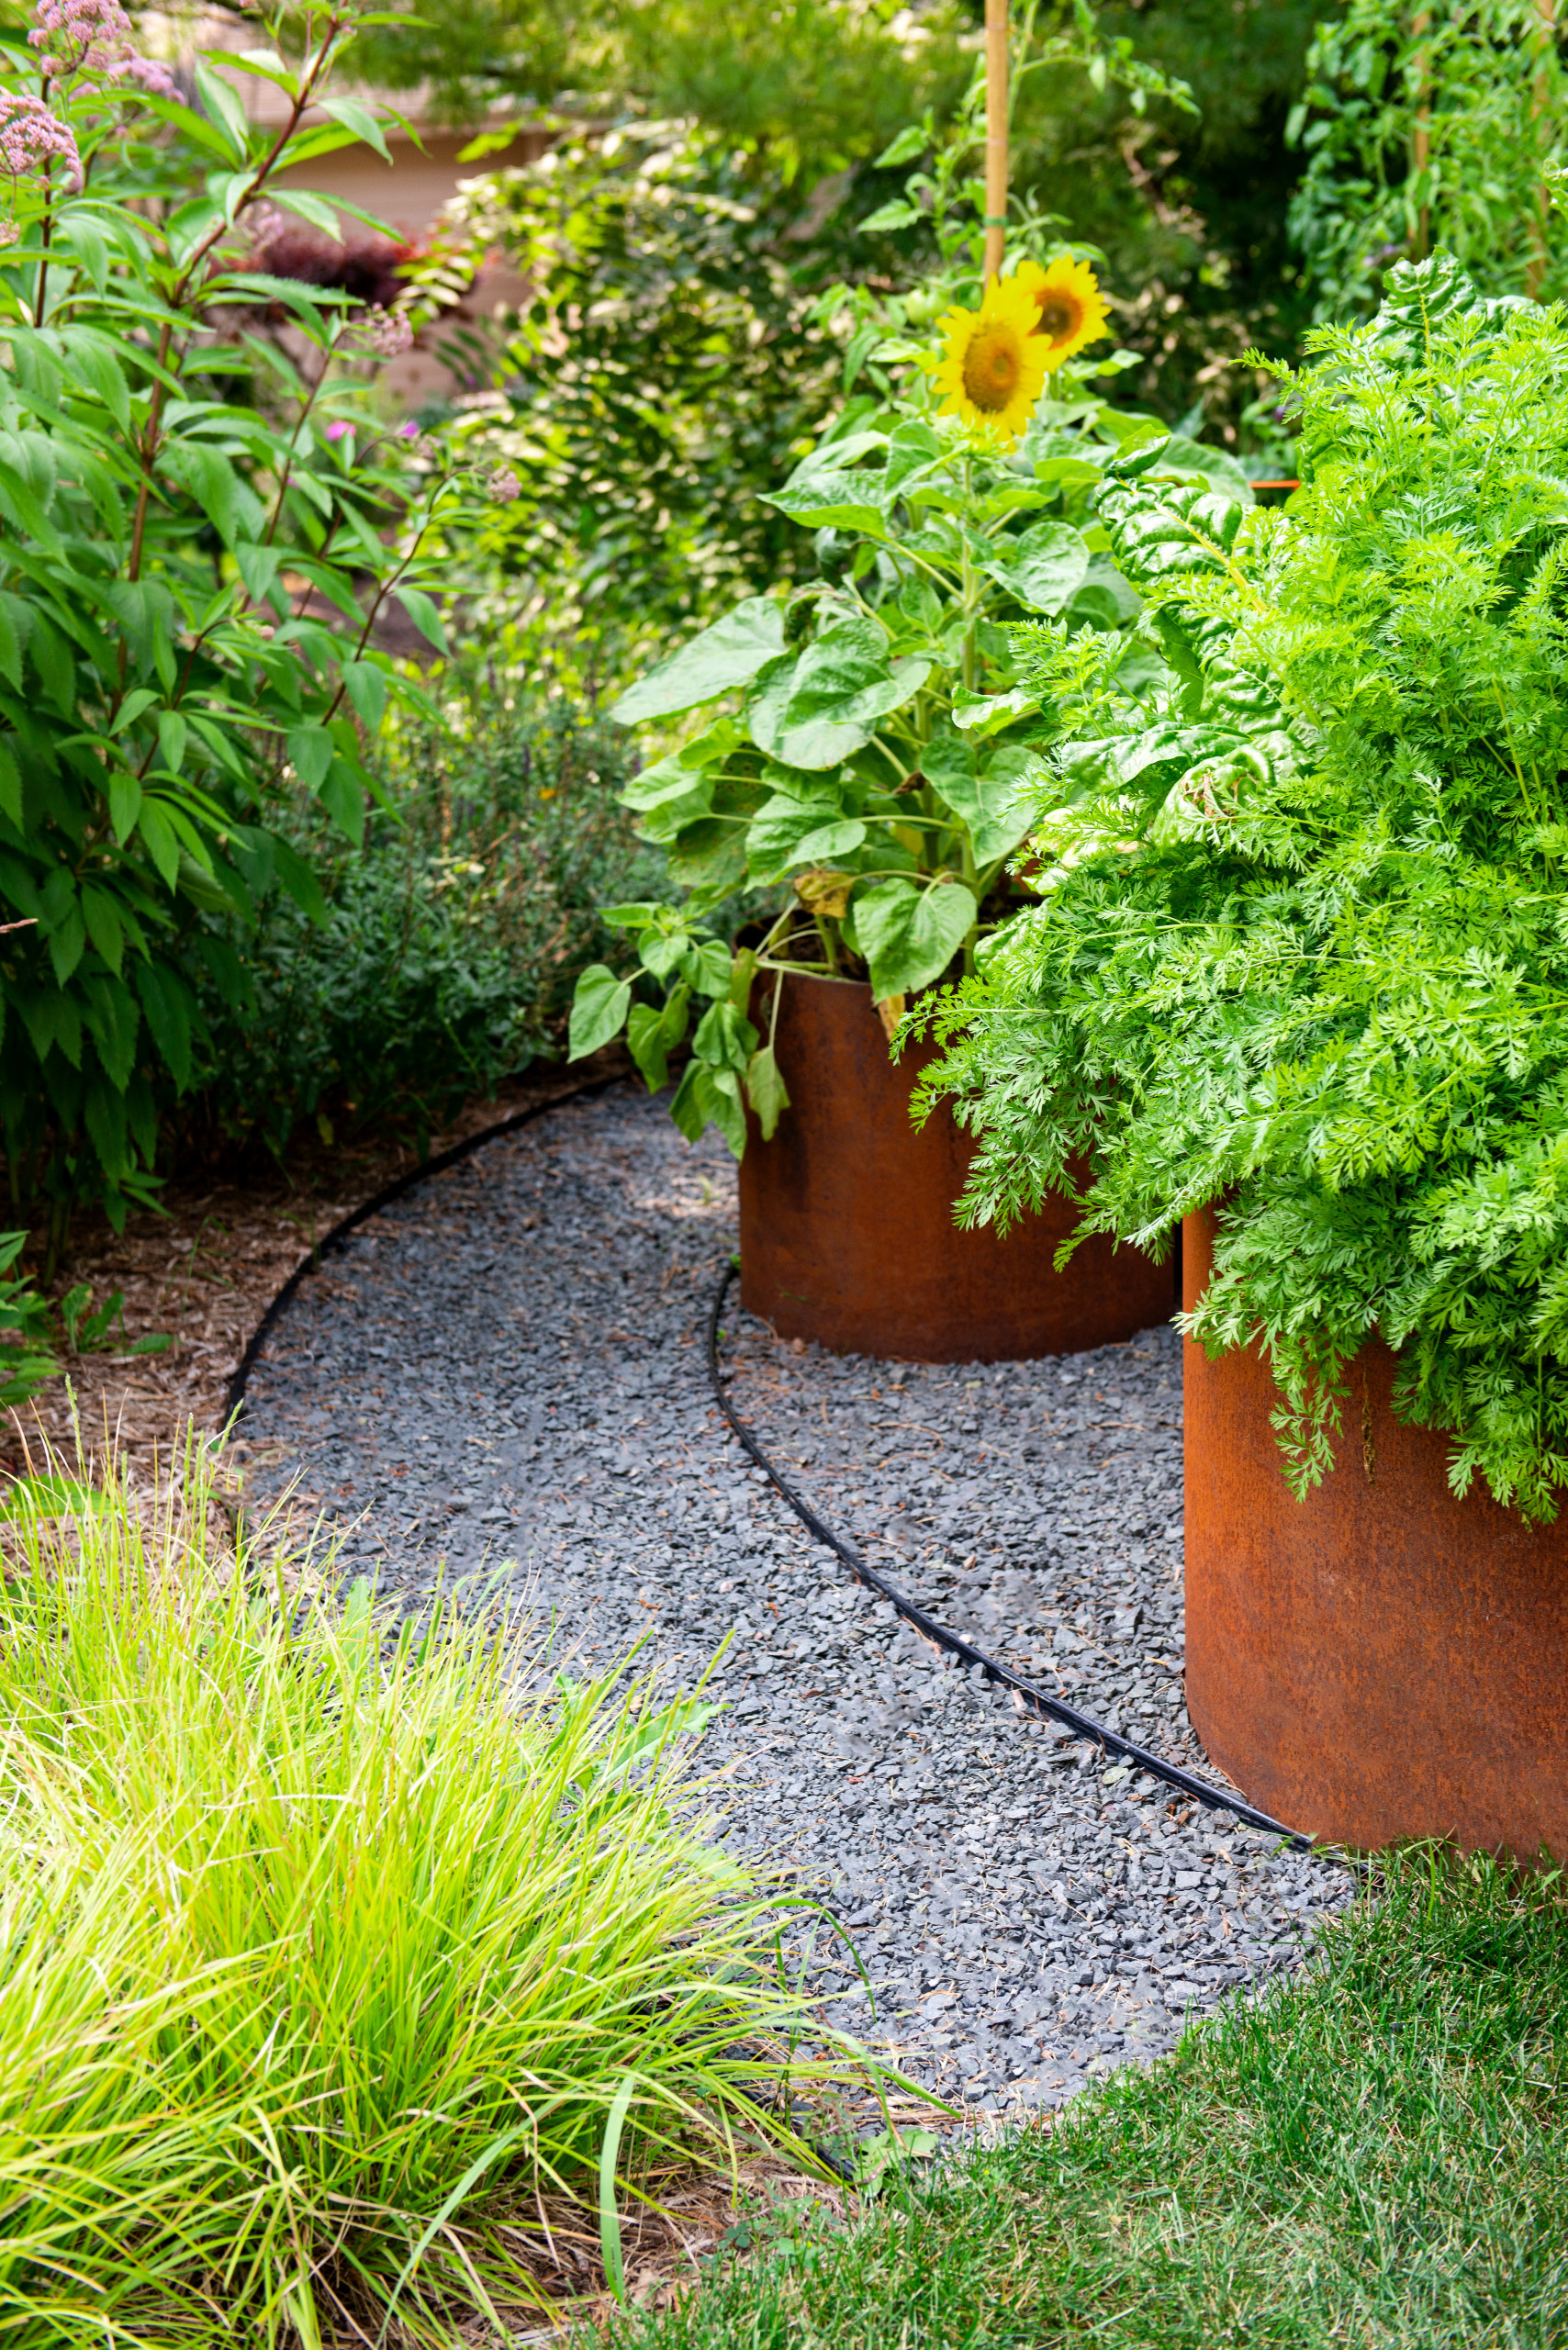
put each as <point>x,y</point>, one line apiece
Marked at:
<point>846,1217</point>
<point>1381,1661</point>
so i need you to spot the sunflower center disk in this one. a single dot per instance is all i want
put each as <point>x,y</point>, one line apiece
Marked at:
<point>992,365</point>
<point>1060,320</point>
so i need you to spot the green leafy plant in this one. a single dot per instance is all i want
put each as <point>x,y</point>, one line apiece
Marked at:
<point>666,370</point>
<point>1429,126</point>
<point>871,771</point>
<point>90,1329</point>
<point>1301,956</point>
<point>453,930</point>
<point>27,1338</point>
<point>190,516</point>
<point>336,1949</point>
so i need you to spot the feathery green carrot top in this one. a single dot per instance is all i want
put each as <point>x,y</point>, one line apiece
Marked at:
<point>1303,948</point>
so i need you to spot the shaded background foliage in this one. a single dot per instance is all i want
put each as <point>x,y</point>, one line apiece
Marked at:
<point>677,355</point>
<point>452,940</point>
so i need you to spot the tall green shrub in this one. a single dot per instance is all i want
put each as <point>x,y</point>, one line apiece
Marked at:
<point>665,371</point>
<point>1429,125</point>
<point>453,931</point>
<point>188,513</point>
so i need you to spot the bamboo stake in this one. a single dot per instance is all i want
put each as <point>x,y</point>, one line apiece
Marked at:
<point>995,135</point>
<point>1421,142</point>
<point>1541,108</point>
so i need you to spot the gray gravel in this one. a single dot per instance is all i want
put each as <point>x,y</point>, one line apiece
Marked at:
<point>506,1366</point>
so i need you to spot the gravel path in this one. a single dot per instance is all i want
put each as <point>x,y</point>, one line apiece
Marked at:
<point>508,1365</point>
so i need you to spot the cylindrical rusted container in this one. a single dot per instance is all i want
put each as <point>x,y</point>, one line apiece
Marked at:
<point>846,1217</point>
<point>1381,1661</point>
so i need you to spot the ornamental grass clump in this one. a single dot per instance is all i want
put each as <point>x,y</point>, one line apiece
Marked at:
<point>1301,957</point>
<point>350,1967</point>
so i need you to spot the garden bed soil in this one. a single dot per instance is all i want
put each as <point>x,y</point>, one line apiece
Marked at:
<point>206,1268</point>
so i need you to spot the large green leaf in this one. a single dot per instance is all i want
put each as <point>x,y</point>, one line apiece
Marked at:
<point>1194,460</point>
<point>766,1091</point>
<point>819,709</point>
<point>706,1093</point>
<point>784,823</point>
<point>992,800</point>
<point>598,1010</point>
<point>653,1034</point>
<point>849,501</point>
<point>1044,566</point>
<point>709,856</point>
<point>725,1037</point>
<point>910,932</point>
<point>671,778</point>
<point>726,655</point>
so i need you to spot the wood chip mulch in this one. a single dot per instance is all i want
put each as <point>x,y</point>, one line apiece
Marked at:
<point>205,1272</point>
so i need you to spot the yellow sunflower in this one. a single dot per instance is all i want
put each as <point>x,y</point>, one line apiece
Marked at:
<point>1066,306</point>
<point>994,364</point>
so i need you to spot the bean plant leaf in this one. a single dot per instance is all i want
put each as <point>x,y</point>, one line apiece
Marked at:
<point>909,932</point>
<point>847,501</point>
<point>645,1038</point>
<point>995,803</point>
<point>709,966</point>
<point>766,1091</point>
<point>706,1095</point>
<point>1044,566</point>
<point>726,655</point>
<point>725,1037</point>
<point>599,1005</point>
<point>773,841</point>
<point>983,714</point>
<point>822,709</point>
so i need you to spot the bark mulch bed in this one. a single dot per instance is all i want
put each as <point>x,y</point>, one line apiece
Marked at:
<point>204,1271</point>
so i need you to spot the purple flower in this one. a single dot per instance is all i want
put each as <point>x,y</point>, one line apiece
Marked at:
<point>95,37</point>
<point>387,333</point>
<point>410,431</point>
<point>29,135</point>
<point>338,430</point>
<point>149,73</point>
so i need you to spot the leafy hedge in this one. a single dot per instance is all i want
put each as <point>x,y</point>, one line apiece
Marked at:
<point>190,518</point>
<point>451,936</point>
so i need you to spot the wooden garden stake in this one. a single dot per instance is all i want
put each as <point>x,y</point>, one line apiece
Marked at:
<point>1540,112</point>
<point>995,135</point>
<point>1421,141</point>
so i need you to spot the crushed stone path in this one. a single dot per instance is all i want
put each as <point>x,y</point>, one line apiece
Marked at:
<point>506,1366</point>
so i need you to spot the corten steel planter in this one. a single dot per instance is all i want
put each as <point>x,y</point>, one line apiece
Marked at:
<point>846,1215</point>
<point>1380,1661</point>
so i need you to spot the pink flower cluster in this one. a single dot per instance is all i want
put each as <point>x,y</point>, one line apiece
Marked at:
<point>29,135</point>
<point>80,35</point>
<point>386,334</point>
<point>504,487</point>
<point>149,73</point>
<point>95,37</point>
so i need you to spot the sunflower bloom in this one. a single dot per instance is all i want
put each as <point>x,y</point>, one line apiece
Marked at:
<point>1066,306</point>
<point>994,364</point>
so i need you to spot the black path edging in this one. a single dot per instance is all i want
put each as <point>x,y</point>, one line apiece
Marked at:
<point>1026,1697</point>
<point>234,1399</point>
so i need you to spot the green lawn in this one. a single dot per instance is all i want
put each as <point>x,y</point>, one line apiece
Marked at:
<point>1373,2156</point>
